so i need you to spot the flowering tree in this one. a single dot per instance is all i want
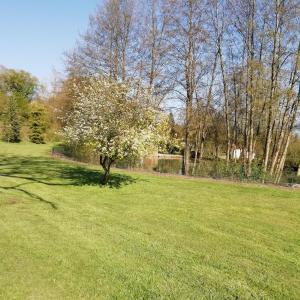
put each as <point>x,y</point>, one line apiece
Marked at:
<point>115,120</point>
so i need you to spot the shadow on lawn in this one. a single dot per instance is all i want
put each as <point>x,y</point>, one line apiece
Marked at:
<point>53,172</point>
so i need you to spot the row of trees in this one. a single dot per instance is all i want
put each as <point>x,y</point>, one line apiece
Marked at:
<point>19,106</point>
<point>228,69</point>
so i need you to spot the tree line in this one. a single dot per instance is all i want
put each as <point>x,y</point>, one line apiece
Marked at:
<point>229,69</point>
<point>23,114</point>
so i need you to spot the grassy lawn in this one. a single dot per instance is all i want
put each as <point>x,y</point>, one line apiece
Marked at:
<point>143,237</point>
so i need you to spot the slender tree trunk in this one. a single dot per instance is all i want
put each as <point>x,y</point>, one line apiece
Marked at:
<point>226,106</point>
<point>273,87</point>
<point>186,156</point>
<point>105,163</point>
<point>196,155</point>
<point>282,159</point>
<point>153,47</point>
<point>295,110</point>
<point>198,136</point>
<point>280,143</point>
<point>250,90</point>
<point>203,130</point>
<point>235,122</point>
<point>190,88</point>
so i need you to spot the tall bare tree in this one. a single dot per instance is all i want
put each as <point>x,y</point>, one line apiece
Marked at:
<point>185,35</point>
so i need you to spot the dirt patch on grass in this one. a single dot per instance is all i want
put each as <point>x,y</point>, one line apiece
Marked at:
<point>11,201</point>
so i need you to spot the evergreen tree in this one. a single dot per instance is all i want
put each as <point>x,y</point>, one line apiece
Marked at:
<point>12,124</point>
<point>37,126</point>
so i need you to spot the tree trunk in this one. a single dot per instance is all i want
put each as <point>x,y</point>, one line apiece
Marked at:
<point>106,163</point>
<point>281,163</point>
<point>274,77</point>
<point>277,160</point>
<point>105,177</point>
<point>226,106</point>
<point>203,128</point>
<point>250,91</point>
<point>190,89</point>
<point>186,155</point>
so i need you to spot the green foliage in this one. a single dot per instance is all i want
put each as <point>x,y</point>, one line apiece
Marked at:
<point>3,100</point>
<point>37,125</point>
<point>213,168</point>
<point>11,122</point>
<point>293,156</point>
<point>21,85</point>
<point>173,139</point>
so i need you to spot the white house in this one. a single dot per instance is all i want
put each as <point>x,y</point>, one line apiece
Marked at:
<point>237,153</point>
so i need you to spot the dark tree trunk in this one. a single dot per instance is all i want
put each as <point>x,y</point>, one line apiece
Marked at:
<point>106,163</point>
<point>105,178</point>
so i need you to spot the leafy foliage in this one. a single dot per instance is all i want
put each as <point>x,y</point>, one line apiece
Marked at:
<point>115,120</point>
<point>173,144</point>
<point>19,83</point>
<point>17,90</point>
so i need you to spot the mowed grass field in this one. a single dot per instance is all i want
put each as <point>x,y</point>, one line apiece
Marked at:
<point>62,236</point>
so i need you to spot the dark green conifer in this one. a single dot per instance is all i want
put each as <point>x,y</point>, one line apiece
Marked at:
<point>12,124</point>
<point>37,126</point>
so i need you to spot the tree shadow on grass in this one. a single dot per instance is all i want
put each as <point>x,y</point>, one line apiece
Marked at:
<point>53,172</point>
<point>80,175</point>
<point>31,195</point>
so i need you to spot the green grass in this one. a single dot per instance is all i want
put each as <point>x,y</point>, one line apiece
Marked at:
<point>143,236</point>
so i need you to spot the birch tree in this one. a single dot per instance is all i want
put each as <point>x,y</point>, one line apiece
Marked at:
<point>185,35</point>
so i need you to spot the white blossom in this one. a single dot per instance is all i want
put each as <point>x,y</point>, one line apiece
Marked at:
<point>111,120</point>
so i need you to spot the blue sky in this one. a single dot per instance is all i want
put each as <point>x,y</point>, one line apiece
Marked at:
<point>35,33</point>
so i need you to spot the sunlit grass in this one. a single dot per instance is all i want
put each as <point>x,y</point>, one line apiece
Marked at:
<point>62,236</point>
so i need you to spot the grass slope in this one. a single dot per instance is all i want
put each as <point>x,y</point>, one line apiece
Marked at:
<point>143,237</point>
